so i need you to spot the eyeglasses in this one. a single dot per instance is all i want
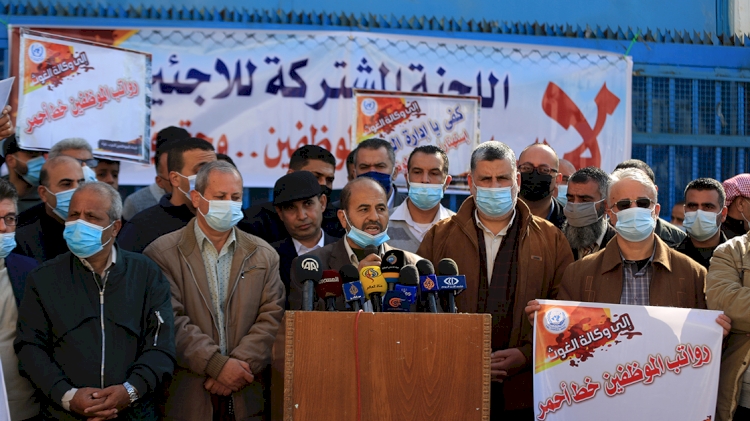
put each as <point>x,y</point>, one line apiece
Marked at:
<point>542,169</point>
<point>10,220</point>
<point>91,163</point>
<point>641,203</point>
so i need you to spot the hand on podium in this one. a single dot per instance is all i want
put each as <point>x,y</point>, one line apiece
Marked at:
<point>505,362</point>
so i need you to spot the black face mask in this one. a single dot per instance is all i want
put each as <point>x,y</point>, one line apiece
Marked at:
<point>326,191</point>
<point>535,186</point>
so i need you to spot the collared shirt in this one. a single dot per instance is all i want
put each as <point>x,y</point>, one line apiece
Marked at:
<point>353,256</point>
<point>635,282</point>
<point>401,213</point>
<point>218,266</point>
<point>302,249</point>
<point>111,262</point>
<point>492,242</point>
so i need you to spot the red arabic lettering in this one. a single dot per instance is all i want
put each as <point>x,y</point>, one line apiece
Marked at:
<point>285,147</point>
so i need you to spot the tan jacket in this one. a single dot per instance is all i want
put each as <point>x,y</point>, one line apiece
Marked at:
<point>254,308</point>
<point>728,289</point>
<point>544,253</point>
<point>678,281</point>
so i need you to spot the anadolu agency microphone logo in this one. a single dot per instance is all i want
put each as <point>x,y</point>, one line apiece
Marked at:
<point>309,264</point>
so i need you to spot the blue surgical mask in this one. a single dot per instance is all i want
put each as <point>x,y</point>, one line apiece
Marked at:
<point>222,214</point>
<point>191,180</point>
<point>7,244</point>
<point>494,201</point>
<point>383,179</point>
<point>364,239</point>
<point>701,225</point>
<point>635,224</point>
<point>63,202</point>
<point>425,196</point>
<point>84,238</point>
<point>33,170</point>
<point>88,174</point>
<point>562,191</point>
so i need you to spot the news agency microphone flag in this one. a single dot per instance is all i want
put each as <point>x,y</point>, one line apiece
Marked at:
<point>258,95</point>
<point>620,362</point>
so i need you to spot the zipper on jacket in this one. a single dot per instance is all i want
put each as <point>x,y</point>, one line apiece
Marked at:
<point>101,320</point>
<point>160,321</point>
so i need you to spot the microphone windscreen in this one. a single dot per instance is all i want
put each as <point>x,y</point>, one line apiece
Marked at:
<point>329,285</point>
<point>425,267</point>
<point>308,268</point>
<point>393,261</point>
<point>372,280</point>
<point>371,250</point>
<point>447,267</point>
<point>349,273</point>
<point>408,276</point>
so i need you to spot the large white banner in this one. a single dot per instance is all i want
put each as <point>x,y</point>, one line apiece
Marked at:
<point>259,95</point>
<point>69,88</point>
<point>618,362</point>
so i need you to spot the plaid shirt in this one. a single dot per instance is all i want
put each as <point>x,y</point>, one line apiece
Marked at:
<point>635,283</point>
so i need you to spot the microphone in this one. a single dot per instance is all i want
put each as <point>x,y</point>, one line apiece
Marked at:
<point>308,269</point>
<point>408,284</point>
<point>451,282</point>
<point>370,249</point>
<point>328,288</point>
<point>393,261</point>
<point>374,285</point>
<point>396,301</point>
<point>352,288</point>
<point>428,283</point>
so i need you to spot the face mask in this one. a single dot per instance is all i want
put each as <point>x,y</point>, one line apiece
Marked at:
<point>7,244</point>
<point>635,224</point>
<point>190,180</point>
<point>494,201</point>
<point>33,170</point>
<point>535,186</point>
<point>222,214</point>
<point>88,174</point>
<point>562,191</point>
<point>364,239</point>
<point>701,225</point>
<point>582,214</point>
<point>63,202</point>
<point>84,238</point>
<point>383,179</point>
<point>425,196</point>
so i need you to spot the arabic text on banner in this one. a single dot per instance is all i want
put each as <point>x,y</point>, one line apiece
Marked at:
<point>76,89</point>
<point>593,360</point>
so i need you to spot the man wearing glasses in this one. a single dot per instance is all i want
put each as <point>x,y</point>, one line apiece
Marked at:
<point>80,150</point>
<point>540,175</point>
<point>427,179</point>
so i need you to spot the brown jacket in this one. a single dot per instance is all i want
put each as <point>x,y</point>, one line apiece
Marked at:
<point>678,281</point>
<point>728,290</point>
<point>254,308</point>
<point>544,253</point>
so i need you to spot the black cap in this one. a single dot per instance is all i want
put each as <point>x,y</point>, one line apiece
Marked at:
<point>295,186</point>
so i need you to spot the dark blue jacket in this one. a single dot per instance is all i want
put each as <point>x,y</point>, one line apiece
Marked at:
<point>18,267</point>
<point>287,253</point>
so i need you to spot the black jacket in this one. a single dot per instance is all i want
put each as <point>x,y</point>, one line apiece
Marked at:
<point>150,224</point>
<point>262,221</point>
<point>42,239</point>
<point>287,253</point>
<point>687,248</point>
<point>557,216</point>
<point>19,267</point>
<point>669,233</point>
<point>59,341</point>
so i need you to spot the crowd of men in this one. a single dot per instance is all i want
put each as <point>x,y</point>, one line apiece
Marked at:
<point>169,305</point>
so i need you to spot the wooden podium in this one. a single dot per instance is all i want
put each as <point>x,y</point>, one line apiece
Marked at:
<point>412,366</point>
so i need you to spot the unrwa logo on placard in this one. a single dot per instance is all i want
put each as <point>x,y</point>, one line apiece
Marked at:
<point>369,107</point>
<point>310,264</point>
<point>556,320</point>
<point>37,52</point>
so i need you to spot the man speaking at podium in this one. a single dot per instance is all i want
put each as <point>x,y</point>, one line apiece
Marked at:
<point>509,257</point>
<point>364,216</point>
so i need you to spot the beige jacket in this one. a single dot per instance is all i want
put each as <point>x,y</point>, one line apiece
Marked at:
<point>254,308</point>
<point>728,289</point>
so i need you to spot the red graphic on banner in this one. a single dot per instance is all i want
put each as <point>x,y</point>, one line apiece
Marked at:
<point>273,158</point>
<point>558,105</point>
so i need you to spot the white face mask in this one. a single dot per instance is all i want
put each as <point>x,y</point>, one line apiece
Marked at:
<point>701,225</point>
<point>191,180</point>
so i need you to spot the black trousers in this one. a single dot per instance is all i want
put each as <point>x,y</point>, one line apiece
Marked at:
<point>742,414</point>
<point>497,407</point>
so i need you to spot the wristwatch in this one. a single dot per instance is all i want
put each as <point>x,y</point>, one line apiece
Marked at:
<point>132,392</point>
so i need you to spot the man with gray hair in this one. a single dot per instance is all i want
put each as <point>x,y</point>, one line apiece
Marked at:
<point>95,326</point>
<point>228,303</point>
<point>80,150</point>
<point>509,257</point>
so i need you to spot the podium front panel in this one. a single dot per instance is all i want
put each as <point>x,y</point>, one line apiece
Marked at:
<point>412,366</point>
